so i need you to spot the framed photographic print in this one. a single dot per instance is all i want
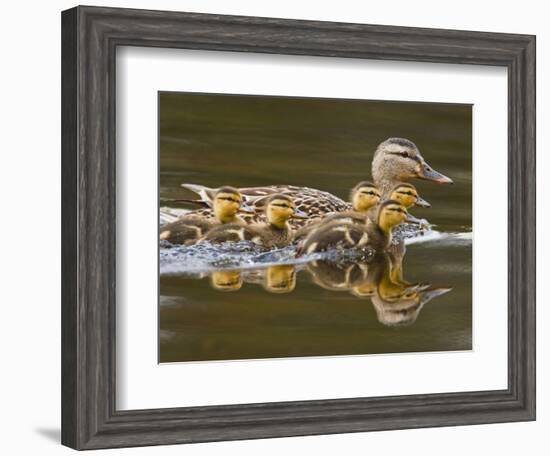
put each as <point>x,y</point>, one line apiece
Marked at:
<point>278,228</point>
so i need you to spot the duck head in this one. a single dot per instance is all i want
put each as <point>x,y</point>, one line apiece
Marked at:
<point>227,202</point>
<point>407,195</point>
<point>398,160</point>
<point>400,305</point>
<point>364,196</point>
<point>279,208</point>
<point>391,213</point>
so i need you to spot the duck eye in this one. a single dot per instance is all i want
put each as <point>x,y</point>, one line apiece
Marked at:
<point>401,154</point>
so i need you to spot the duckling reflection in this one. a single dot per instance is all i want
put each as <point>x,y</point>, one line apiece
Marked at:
<point>226,280</point>
<point>280,279</point>
<point>337,276</point>
<point>396,301</point>
<point>403,309</point>
<point>274,279</point>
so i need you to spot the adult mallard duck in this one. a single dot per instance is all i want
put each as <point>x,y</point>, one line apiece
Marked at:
<point>396,160</point>
<point>226,202</point>
<point>276,232</point>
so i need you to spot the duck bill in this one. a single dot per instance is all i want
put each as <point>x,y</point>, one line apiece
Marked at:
<point>421,202</point>
<point>430,294</point>
<point>299,214</point>
<point>246,208</point>
<point>426,172</point>
<point>415,221</point>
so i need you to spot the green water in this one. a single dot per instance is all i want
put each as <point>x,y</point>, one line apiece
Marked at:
<point>327,144</point>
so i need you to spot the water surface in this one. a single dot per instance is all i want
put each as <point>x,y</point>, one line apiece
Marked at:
<point>248,304</point>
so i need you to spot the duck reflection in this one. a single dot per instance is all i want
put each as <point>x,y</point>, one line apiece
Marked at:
<point>226,280</point>
<point>280,279</point>
<point>274,279</point>
<point>396,301</point>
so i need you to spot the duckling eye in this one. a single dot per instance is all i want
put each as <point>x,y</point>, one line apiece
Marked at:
<point>396,209</point>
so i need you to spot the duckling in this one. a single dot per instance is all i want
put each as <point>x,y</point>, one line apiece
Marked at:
<point>370,237</point>
<point>398,160</point>
<point>364,197</point>
<point>407,195</point>
<point>187,230</point>
<point>275,233</point>
<point>395,160</point>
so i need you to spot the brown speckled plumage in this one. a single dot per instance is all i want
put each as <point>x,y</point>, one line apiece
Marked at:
<point>266,235</point>
<point>315,203</point>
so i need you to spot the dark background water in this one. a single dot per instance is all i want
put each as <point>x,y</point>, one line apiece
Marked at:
<point>242,141</point>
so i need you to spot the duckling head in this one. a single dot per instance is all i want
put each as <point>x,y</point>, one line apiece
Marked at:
<point>390,214</point>
<point>227,202</point>
<point>280,279</point>
<point>364,196</point>
<point>279,208</point>
<point>398,159</point>
<point>401,308</point>
<point>407,195</point>
<point>226,280</point>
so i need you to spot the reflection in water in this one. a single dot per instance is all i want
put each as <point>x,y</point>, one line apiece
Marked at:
<point>280,279</point>
<point>395,300</point>
<point>226,280</point>
<point>322,306</point>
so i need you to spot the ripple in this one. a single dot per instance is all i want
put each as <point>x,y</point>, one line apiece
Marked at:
<point>204,257</point>
<point>437,238</point>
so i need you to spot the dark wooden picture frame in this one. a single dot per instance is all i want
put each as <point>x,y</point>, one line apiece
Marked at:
<point>90,37</point>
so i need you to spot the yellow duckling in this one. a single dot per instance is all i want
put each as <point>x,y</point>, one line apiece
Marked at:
<point>373,236</point>
<point>407,195</point>
<point>364,197</point>
<point>187,230</point>
<point>275,233</point>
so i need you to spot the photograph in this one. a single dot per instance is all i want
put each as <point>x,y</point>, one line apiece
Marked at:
<point>299,227</point>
